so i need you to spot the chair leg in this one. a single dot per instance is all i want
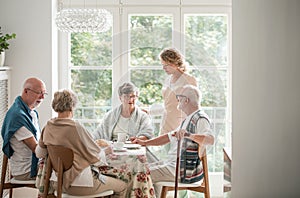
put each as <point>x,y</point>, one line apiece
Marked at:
<point>3,173</point>
<point>206,192</point>
<point>10,193</point>
<point>164,192</point>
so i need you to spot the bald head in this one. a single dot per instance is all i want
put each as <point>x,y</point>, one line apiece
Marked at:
<point>193,93</point>
<point>32,82</point>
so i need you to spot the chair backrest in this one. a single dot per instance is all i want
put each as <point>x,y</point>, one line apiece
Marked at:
<point>7,184</point>
<point>60,159</point>
<point>60,155</point>
<point>227,170</point>
<point>205,184</point>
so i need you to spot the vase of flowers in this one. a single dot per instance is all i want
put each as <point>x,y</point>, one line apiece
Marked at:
<point>4,45</point>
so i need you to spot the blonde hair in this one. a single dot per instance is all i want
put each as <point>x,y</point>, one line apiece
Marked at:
<point>64,100</point>
<point>173,56</point>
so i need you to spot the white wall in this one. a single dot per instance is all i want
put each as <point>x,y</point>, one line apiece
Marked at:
<point>266,98</point>
<point>30,54</point>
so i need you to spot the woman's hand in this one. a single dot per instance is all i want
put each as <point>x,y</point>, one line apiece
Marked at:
<point>139,141</point>
<point>133,139</point>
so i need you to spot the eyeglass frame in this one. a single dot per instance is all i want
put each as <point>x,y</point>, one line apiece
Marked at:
<point>41,93</point>
<point>128,96</point>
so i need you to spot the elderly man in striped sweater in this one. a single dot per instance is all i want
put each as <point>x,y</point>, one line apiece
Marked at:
<point>195,131</point>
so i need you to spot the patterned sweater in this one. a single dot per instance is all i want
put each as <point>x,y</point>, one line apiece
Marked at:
<point>191,169</point>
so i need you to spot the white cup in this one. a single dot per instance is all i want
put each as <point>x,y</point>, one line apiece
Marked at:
<point>118,145</point>
<point>122,137</point>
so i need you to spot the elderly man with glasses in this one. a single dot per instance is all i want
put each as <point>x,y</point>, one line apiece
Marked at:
<point>195,131</point>
<point>21,130</point>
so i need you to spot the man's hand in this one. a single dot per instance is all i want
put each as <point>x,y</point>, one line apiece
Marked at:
<point>181,134</point>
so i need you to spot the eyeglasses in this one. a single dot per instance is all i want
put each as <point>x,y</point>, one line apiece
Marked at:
<point>127,96</point>
<point>44,94</point>
<point>178,97</point>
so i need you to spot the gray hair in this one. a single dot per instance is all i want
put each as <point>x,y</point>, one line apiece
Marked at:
<point>127,88</point>
<point>193,93</point>
<point>64,100</point>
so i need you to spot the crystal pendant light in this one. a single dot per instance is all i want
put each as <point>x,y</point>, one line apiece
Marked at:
<point>83,20</point>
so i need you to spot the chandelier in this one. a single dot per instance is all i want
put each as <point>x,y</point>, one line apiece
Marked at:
<point>83,20</point>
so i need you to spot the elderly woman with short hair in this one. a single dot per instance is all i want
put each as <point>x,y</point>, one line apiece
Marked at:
<point>63,130</point>
<point>127,117</point>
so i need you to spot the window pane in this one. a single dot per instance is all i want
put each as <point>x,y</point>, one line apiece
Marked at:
<point>206,40</point>
<point>148,36</point>
<point>90,126</point>
<point>94,90</point>
<point>91,49</point>
<point>212,83</point>
<point>150,84</point>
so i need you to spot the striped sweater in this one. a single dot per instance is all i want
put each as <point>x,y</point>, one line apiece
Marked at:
<point>191,169</point>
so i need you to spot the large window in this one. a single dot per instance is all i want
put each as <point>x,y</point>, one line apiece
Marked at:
<point>98,63</point>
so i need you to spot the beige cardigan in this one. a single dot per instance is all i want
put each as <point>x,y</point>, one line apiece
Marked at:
<point>69,133</point>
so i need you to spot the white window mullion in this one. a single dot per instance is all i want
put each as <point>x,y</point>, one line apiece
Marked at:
<point>116,53</point>
<point>64,63</point>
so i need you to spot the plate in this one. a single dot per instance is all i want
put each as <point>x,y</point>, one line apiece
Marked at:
<point>120,150</point>
<point>132,146</point>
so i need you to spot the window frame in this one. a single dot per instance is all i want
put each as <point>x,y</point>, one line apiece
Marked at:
<point>120,47</point>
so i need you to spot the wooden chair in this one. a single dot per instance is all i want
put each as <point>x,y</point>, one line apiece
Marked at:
<point>201,186</point>
<point>11,183</point>
<point>61,159</point>
<point>227,170</point>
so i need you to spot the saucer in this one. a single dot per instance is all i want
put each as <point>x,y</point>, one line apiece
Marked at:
<point>132,146</point>
<point>120,150</point>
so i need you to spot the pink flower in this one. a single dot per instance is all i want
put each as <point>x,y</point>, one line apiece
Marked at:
<point>141,177</point>
<point>151,191</point>
<point>138,193</point>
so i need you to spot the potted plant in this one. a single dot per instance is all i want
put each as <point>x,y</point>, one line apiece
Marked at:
<point>4,45</point>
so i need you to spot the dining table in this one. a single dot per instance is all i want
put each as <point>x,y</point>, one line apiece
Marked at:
<point>129,164</point>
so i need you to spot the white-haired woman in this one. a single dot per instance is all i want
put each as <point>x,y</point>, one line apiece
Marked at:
<point>126,118</point>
